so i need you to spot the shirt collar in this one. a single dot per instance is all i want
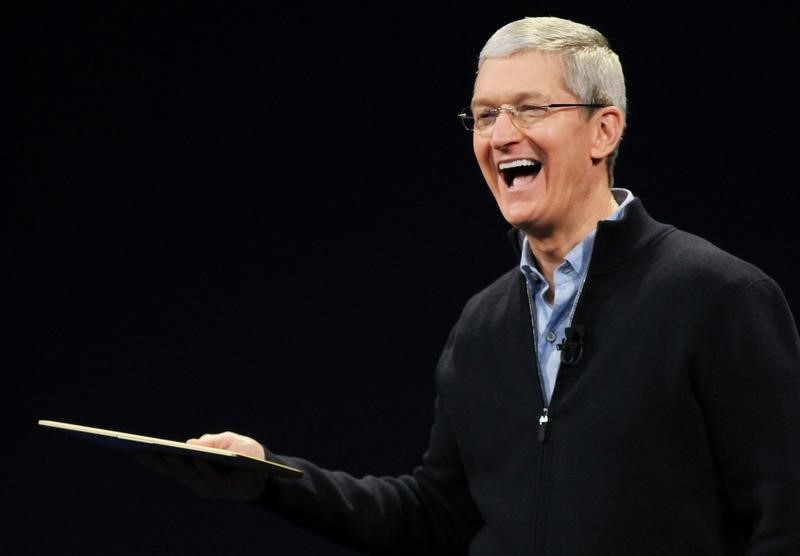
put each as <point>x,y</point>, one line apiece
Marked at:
<point>579,255</point>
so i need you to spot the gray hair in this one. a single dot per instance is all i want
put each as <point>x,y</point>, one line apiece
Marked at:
<point>592,71</point>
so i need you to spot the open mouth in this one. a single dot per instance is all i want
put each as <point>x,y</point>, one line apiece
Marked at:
<point>519,172</point>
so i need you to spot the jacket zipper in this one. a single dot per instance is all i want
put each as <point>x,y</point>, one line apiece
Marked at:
<point>544,418</point>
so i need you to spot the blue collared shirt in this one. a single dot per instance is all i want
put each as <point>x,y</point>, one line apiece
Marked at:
<point>551,320</point>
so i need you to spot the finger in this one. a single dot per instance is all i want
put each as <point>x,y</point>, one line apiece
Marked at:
<point>231,441</point>
<point>230,483</point>
<point>170,465</point>
<point>214,481</point>
<point>182,466</point>
<point>212,474</point>
<point>184,470</point>
<point>220,440</point>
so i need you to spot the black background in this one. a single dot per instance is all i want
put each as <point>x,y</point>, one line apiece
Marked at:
<point>266,218</point>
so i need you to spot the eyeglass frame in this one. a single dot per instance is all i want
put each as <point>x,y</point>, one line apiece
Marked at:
<point>514,112</point>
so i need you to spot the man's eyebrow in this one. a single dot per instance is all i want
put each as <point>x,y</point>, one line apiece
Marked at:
<point>480,102</point>
<point>516,99</point>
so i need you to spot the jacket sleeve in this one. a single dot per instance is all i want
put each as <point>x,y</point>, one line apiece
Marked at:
<point>752,405</point>
<point>429,511</point>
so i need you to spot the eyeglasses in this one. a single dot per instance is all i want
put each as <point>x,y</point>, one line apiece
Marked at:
<point>523,116</point>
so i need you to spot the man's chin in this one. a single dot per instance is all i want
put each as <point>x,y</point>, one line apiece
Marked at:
<point>521,221</point>
<point>531,227</point>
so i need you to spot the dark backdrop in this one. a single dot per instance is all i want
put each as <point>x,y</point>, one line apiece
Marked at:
<point>265,219</point>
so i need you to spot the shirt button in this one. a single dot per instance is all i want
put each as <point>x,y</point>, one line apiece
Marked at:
<point>551,337</point>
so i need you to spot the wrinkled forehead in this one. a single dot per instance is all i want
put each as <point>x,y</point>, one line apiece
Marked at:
<point>533,75</point>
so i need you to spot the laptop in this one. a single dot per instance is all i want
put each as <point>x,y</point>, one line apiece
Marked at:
<point>138,443</point>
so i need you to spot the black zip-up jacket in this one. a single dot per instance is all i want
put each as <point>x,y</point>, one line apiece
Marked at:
<point>677,432</point>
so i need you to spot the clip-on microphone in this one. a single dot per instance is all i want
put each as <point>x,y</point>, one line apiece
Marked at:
<point>571,347</point>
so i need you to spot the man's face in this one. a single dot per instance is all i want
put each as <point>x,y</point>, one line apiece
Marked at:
<point>559,173</point>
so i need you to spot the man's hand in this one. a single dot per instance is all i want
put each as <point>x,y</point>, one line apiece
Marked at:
<point>210,480</point>
<point>232,442</point>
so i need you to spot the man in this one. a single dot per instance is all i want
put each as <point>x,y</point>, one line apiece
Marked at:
<point>627,388</point>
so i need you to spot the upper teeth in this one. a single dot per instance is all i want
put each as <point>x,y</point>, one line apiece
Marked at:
<point>516,164</point>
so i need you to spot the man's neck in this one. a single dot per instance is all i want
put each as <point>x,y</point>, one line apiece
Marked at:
<point>550,249</point>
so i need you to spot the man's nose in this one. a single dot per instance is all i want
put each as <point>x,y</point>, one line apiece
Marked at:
<point>505,129</point>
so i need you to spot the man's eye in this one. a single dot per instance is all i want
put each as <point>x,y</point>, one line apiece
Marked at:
<point>486,115</point>
<point>531,111</point>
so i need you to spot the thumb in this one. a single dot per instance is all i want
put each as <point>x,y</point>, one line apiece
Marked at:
<point>231,441</point>
<point>222,440</point>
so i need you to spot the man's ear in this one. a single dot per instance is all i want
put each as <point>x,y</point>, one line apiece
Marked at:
<point>607,131</point>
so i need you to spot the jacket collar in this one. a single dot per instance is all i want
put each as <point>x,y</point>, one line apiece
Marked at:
<point>617,241</point>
